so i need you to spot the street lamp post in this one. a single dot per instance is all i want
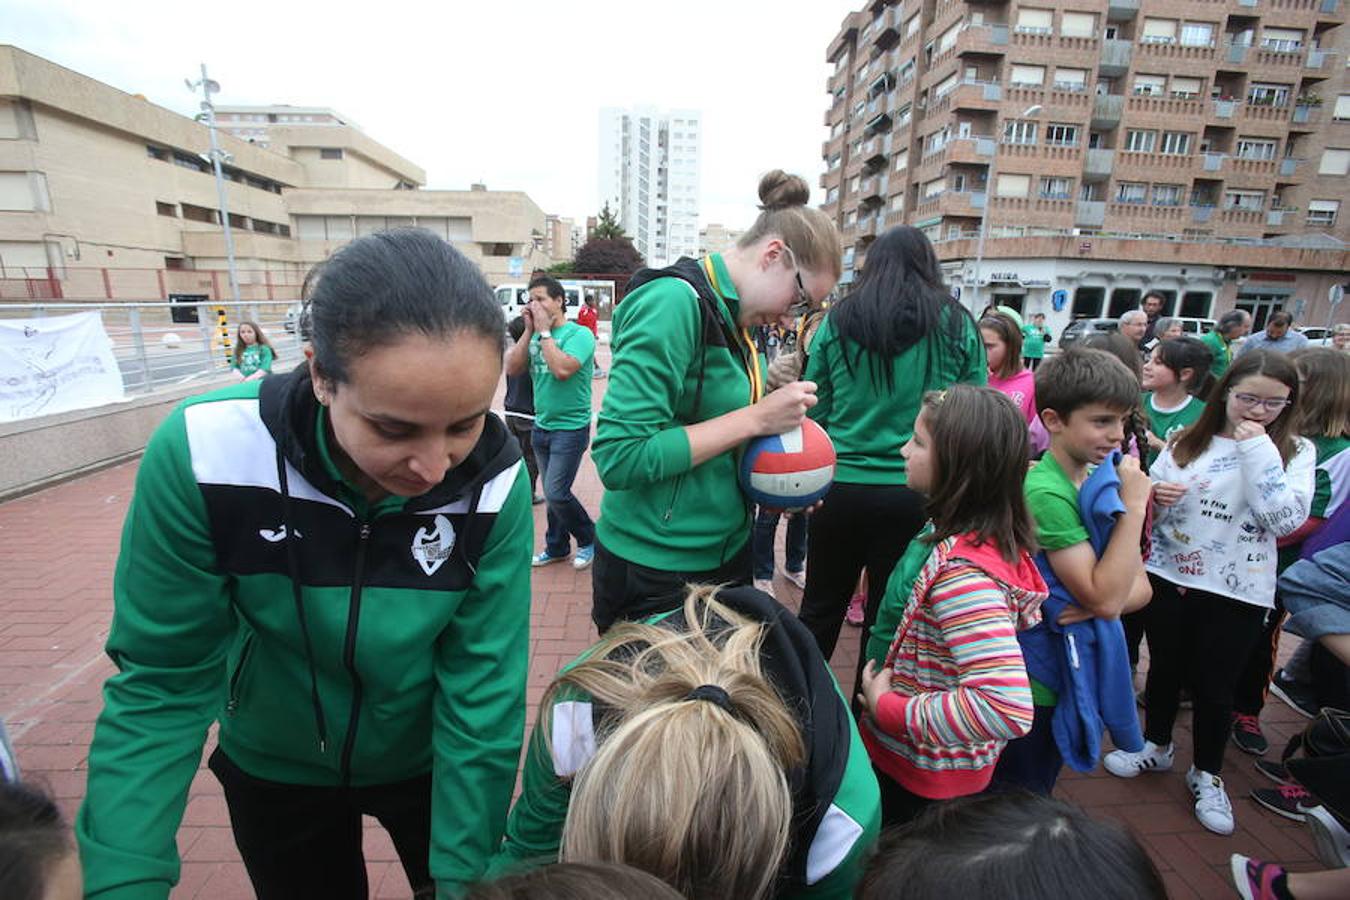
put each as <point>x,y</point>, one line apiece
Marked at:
<point>989,189</point>
<point>216,156</point>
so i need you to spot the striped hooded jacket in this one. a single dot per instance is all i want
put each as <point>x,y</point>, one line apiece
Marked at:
<point>959,687</point>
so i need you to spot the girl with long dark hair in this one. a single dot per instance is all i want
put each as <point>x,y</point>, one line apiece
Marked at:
<point>898,335</point>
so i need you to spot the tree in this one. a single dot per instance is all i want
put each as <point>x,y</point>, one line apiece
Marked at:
<point>561,268</point>
<point>607,226</point>
<point>607,256</point>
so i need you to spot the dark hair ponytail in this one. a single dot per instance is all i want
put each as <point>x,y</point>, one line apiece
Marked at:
<point>900,300</point>
<point>1188,353</point>
<point>384,286</point>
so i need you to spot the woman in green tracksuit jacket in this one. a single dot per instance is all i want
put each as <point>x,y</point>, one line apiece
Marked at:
<point>898,335</point>
<point>686,392</point>
<point>334,565</point>
<point>709,746</point>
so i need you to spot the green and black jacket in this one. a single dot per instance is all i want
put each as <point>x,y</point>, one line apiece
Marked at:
<point>336,642</point>
<point>836,801</point>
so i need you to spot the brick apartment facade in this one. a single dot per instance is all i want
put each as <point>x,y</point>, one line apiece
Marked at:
<point>1103,148</point>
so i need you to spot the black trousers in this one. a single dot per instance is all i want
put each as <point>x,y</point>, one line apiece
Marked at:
<point>1249,697</point>
<point>1201,641</point>
<point>524,432</point>
<point>898,805</point>
<point>860,526</point>
<point>621,589</point>
<point>304,843</point>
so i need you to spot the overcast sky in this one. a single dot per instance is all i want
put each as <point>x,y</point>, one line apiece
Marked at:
<point>507,93</point>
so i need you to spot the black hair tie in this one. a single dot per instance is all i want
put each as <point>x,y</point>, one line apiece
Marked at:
<point>713,694</point>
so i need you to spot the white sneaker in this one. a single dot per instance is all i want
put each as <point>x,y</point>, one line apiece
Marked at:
<point>796,578</point>
<point>1212,806</point>
<point>1125,764</point>
<point>765,585</point>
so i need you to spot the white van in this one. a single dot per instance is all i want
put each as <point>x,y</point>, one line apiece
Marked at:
<point>514,297</point>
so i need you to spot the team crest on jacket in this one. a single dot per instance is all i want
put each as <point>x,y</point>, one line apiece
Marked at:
<point>432,548</point>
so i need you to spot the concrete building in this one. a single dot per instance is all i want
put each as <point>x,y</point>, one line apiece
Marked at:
<point>254,123</point>
<point>91,177</point>
<point>649,175</point>
<point>1066,156</point>
<point>716,238</point>
<point>560,238</point>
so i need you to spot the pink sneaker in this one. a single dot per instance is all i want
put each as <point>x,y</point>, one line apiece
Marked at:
<point>855,614</point>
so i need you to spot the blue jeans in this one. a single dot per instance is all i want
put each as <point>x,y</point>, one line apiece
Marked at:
<point>559,456</point>
<point>766,526</point>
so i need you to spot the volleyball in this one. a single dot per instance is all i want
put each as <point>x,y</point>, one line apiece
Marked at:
<point>789,471</point>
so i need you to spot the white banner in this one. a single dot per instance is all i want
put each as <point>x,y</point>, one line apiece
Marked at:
<point>56,364</point>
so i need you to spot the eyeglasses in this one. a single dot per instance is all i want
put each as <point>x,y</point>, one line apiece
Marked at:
<point>1271,404</point>
<point>804,302</point>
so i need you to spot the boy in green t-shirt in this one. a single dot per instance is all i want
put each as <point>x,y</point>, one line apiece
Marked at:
<point>1085,398</point>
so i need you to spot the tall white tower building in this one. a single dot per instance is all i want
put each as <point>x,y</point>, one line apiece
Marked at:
<point>649,176</point>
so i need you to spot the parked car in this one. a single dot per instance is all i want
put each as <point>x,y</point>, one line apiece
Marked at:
<point>1195,327</point>
<point>1081,328</point>
<point>1317,335</point>
<point>513,297</point>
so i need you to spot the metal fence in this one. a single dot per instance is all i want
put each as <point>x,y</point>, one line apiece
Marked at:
<point>160,344</point>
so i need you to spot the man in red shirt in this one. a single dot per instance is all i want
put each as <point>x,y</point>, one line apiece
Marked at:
<point>589,317</point>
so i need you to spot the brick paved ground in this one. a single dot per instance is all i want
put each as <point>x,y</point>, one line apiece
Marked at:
<point>57,551</point>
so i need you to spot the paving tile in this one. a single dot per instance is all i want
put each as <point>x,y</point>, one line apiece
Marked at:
<point>54,613</point>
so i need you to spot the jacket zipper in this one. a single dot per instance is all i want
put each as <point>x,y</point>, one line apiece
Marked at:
<point>349,654</point>
<point>232,705</point>
<point>674,498</point>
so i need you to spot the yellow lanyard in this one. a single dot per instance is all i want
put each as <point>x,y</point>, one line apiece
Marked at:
<point>751,358</point>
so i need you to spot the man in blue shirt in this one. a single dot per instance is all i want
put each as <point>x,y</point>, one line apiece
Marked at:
<point>1278,336</point>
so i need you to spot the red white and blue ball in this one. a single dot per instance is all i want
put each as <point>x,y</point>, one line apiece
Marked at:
<point>789,471</point>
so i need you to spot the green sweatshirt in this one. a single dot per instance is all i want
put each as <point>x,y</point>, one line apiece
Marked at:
<point>417,609</point>
<point>868,421</point>
<point>659,510</point>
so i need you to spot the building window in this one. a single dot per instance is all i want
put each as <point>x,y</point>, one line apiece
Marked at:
<point>1177,143</point>
<point>1255,148</point>
<point>1323,212</point>
<point>1186,88</point>
<point>166,209</point>
<point>1074,80</point>
<point>902,160</point>
<point>1168,194</point>
<point>1010,185</point>
<point>1159,31</point>
<point>1087,302</point>
<point>1054,188</point>
<point>1196,304</point>
<point>158,153</point>
<point>1027,76</point>
<point>933,188</point>
<point>1282,40</point>
<point>199,214</point>
<point>1270,95</point>
<point>1019,131</point>
<point>1334,162</point>
<point>832,195</point>
<point>1249,201</point>
<point>187,161</point>
<point>1078,24</point>
<point>912,25</point>
<point>1035,21</point>
<point>1141,141</point>
<point>904,116</point>
<point>1197,34</point>
<point>1342,111</point>
<point>1150,85</point>
<point>1131,192</point>
<point>1059,134</point>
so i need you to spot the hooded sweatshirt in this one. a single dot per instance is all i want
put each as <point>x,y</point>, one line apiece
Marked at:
<point>679,358</point>
<point>959,689</point>
<point>1086,664</point>
<point>336,642</point>
<point>836,803</point>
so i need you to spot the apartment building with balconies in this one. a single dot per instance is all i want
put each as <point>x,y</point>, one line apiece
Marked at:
<point>1065,156</point>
